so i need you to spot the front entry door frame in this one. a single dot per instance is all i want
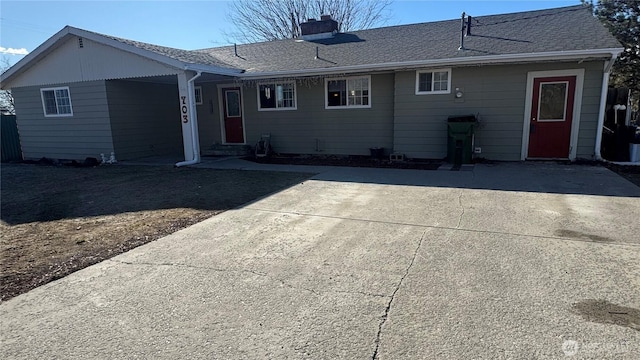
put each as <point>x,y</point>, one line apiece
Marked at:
<point>577,105</point>
<point>223,134</point>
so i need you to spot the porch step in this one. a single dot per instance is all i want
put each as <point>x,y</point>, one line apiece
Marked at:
<point>228,150</point>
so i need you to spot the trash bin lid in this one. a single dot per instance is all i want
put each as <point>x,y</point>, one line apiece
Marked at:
<point>462,118</point>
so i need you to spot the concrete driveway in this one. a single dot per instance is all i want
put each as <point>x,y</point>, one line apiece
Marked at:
<point>504,261</point>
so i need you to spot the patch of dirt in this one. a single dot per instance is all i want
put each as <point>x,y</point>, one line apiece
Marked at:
<point>57,220</point>
<point>346,160</point>
<point>631,173</point>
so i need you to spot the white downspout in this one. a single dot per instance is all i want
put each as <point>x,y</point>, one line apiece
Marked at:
<point>193,114</point>
<point>603,105</point>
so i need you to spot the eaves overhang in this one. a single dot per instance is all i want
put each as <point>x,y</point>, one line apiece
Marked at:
<point>212,69</point>
<point>51,43</point>
<point>458,61</point>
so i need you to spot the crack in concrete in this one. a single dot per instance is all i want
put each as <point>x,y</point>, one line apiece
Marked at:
<point>283,282</point>
<point>617,243</point>
<point>462,212</point>
<point>392,297</point>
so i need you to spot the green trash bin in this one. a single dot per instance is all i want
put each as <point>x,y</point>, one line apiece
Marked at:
<point>460,142</point>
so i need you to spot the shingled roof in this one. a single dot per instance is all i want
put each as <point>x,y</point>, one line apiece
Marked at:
<point>552,34</point>
<point>186,56</point>
<point>552,30</point>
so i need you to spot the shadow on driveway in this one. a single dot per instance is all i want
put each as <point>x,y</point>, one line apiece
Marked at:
<point>523,177</point>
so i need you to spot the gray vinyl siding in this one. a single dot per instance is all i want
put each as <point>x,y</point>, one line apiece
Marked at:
<point>334,131</point>
<point>589,112</point>
<point>209,116</point>
<point>85,134</point>
<point>497,94</point>
<point>145,119</point>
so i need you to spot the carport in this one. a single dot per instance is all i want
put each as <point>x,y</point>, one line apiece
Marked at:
<point>120,96</point>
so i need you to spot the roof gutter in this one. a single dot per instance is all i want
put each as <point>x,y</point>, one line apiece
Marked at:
<point>193,114</point>
<point>603,105</point>
<point>213,70</point>
<point>471,60</point>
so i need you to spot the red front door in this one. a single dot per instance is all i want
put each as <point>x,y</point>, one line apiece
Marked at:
<point>551,117</point>
<point>232,106</point>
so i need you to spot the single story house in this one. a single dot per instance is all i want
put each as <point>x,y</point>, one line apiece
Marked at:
<point>537,81</point>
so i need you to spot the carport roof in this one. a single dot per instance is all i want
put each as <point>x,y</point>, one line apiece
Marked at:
<point>173,58</point>
<point>186,56</point>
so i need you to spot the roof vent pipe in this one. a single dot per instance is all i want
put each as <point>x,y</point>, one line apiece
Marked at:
<point>462,32</point>
<point>235,49</point>
<point>317,53</point>
<point>468,25</point>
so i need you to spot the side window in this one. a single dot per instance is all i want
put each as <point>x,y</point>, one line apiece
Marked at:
<point>277,96</point>
<point>198,94</point>
<point>433,82</point>
<point>56,101</point>
<point>348,92</point>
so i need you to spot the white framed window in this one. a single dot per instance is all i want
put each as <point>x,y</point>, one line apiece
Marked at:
<point>348,92</point>
<point>197,91</point>
<point>56,101</point>
<point>433,81</point>
<point>277,96</point>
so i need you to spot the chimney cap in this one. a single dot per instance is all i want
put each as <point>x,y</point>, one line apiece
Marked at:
<point>321,29</point>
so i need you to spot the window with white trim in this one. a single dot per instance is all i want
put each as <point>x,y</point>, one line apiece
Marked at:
<point>197,92</point>
<point>351,92</point>
<point>433,81</point>
<point>56,101</point>
<point>277,96</point>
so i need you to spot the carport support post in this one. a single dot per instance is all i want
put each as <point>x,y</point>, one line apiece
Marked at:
<point>183,95</point>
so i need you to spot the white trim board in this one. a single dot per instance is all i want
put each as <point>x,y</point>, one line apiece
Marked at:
<point>577,106</point>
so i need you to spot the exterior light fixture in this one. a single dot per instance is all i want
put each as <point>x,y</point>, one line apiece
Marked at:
<point>617,108</point>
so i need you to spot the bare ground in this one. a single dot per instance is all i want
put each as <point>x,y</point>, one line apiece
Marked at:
<point>631,173</point>
<point>56,220</point>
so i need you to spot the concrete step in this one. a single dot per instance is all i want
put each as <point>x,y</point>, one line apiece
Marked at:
<point>228,150</point>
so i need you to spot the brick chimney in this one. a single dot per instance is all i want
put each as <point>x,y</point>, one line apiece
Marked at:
<point>324,28</point>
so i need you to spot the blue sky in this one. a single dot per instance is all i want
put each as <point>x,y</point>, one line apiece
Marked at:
<point>26,24</point>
